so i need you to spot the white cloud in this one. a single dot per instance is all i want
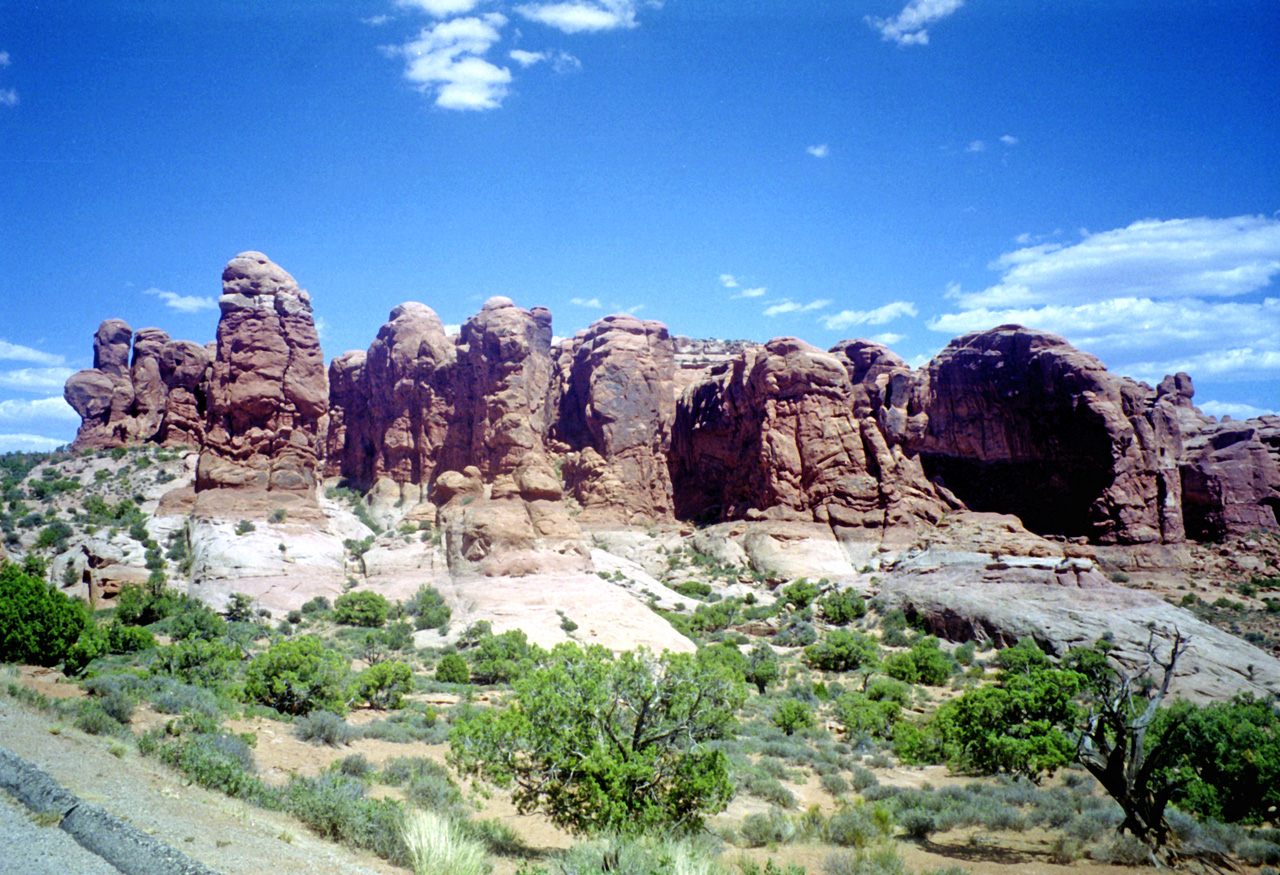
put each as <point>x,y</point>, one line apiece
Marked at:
<point>879,316</point>
<point>1008,140</point>
<point>8,97</point>
<point>182,303</point>
<point>727,280</point>
<point>446,59</point>
<point>561,62</point>
<point>818,151</point>
<point>590,303</point>
<point>451,330</point>
<point>631,311</point>
<point>1235,411</point>
<point>29,443</point>
<point>4,59</point>
<point>1177,258</point>
<point>789,306</point>
<point>35,379</point>
<point>441,8</point>
<point>751,293</point>
<point>321,327</point>
<point>909,27</point>
<point>15,352</point>
<point>527,59</point>
<point>376,20</point>
<point>587,16</point>
<point>887,339</point>
<point>14,410</point>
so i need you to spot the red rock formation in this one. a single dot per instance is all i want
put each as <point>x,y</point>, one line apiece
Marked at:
<point>777,432</point>
<point>155,395</point>
<point>1021,422</point>
<point>616,407</point>
<point>393,406</point>
<point>267,393</point>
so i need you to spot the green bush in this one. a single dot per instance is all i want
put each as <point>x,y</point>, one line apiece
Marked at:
<point>217,761</point>
<point>762,666</point>
<point>693,589</point>
<point>859,825</point>
<point>335,807</point>
<point>38,624</point>
<point>362,608</point>
<point>384,684</point>
<point>774,828</point>
<point>800,594</point>
<point>842,650</point>
<point>199,662</point>
<point>792,715</point>
<point>428,608</point>
<point>324,727</point>
<point>298,676</point>
<point>924,663</point>
<point>452,669</point>
<point>842,607</point>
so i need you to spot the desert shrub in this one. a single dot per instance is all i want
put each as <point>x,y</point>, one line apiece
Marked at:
<point>38,624</point>
<point>498,837</point>
<point>430,787</point>
<point>384,684</point>
<point>842,607</point>
<point>356,765</point>
<point>1122,849</point>
<point>769,789</point>
<point>834,783</point>
<point>774,828</point>
<point>842,650</point>
<point>174,697</point>
<point>298,676</point>
<point>217,761</point>
<point>918,823</point>
<point>859,825</point>
<point>498,659</point>
<point>198,662</point>
<point>762,666</point>
<point>861,715</point>
<point>1256,852</point>
<point>924,663</point>
<point>792,715</point>
<point>324,727</point>
<point>92,718</point>
<point>405,727</point>
<point>335,807</point>
<point>882,860</point>
<point>317,605</point>
<point>693,589</point>
<point>860,779</point>
<point>800,594</point>
<point>438,846</point>
<point>428,608</point>
<point>129,639</point>
<point>452,669</point>
<point>194,619</point>
<point>640,855</point>
<point>362,608</point>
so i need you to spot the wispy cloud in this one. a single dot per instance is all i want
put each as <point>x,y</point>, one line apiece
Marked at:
<point>29,443</point>
<point>879,316</point>
<point>887,339</point>
<point>447,60</point>
<point>728,281</point>
<point>757,292</point>
<point>1149,299</point>
<point>15,352</point>
<point>1235,411</point>
<point>1152,258</point>
<point>818,151</point>
<point>583,17</point>
<point>976,146</point>
<point>376,20</point>
<point>589,303</point>
<point>182,303</point>
<point>4,59</point>
<point>43,380</point>
<point>910,26</point>
<point>561,62</point>
<point>1008,140</point>
<point>441,8</point>
<point>13,410</point>
<point>8,97</point>
<point>789,306</point>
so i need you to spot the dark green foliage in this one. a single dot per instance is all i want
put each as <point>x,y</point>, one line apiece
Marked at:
<point>924,663</point>
<point>240,608</point>
<point>862,715</point>
<point>859,825</point>
<point>1223,759</point>
<point>762,666</point>
<point>244,527</point>
<point>298,676</point>
<point>498,659</point>
<point>452,669</point>
<point>842,607</point>
<point>693,589</point>
<point>317,605</point>
<point>842,650</point>
<point>609,743</point>
<point>792,715</point>
<point>796,633</point>
<point>53,535</point>
<point>199,662</point>
<point>800,594</point>
<point>384,684</point>
<point>128,639</point>
<point>194,619</point>
<point>362,608</point>
<point>92,644</point>
<point>428,609</point>
<point>38,625</point>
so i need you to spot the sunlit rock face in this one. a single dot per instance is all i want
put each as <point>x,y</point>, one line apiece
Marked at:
<point>268,392</point>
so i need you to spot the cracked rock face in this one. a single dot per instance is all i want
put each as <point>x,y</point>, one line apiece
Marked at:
<point>268,390</point>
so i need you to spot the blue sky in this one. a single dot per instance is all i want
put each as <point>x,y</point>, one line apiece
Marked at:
<point>902,171</point>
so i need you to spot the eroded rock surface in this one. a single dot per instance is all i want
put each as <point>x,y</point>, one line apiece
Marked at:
<point>268,393</point>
